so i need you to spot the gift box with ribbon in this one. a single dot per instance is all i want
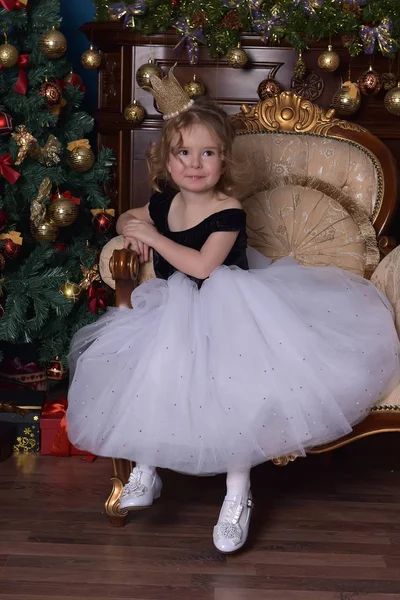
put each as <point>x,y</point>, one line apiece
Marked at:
<point>25,425</point>
<point>54,434</point>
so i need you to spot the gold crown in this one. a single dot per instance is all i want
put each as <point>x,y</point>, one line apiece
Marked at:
<point>171,98</point>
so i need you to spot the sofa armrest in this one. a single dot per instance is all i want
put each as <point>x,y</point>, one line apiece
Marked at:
<point>119,268</point>
<point>386,277</point>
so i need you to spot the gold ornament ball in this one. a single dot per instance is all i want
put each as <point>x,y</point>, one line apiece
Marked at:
<point>268,88</point>
<point>143,74</point>
<point>370,82</point>
<point>195,87</point>
<point>45,232</point>
<point>329,60</point>
<point>392,101</point>
<point>237,58</point>
<point>62,212</point>
<point>81,159</point>
<point>55,370</point>
<point>8,55</point>
<point>91,59</point>
<point>70,290</point>
<point>135,113</point>
<point>343,104</point>
<point>53,44</point>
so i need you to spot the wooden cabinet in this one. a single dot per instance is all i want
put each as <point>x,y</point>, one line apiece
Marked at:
<point>125,51</point>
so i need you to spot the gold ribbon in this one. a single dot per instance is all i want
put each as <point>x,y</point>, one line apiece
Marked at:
<point>108,211</point>
<point>78,144</point>
<point>15,236</point>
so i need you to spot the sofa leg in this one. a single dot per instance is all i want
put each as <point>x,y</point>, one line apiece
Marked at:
<point>116,517</point>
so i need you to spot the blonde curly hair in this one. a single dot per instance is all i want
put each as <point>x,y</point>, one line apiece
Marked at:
<point>203,112</point>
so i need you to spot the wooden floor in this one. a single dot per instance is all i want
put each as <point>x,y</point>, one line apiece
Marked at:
<point>321,530</point>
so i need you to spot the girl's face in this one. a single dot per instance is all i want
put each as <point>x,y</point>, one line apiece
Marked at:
<point>195,162</point>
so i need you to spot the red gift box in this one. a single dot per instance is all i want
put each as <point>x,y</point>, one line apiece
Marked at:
<point>54,435</point>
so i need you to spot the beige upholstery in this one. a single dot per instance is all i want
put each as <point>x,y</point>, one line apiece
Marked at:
<point>387,278</point>
<point>341,163</point>
<point>313,222</point>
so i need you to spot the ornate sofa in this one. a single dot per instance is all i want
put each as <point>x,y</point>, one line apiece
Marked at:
<point>324,191</point>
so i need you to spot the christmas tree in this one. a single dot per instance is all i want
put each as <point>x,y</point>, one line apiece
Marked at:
<point>53,209</point>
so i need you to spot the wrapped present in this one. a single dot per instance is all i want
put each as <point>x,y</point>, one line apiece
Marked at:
<point>29,374</point>
<point>26,425</point>
<point>54,434</point>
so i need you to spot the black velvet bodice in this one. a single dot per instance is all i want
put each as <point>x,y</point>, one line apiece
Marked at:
<point>231,219</point>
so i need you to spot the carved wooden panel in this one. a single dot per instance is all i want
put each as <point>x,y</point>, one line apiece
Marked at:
<point>110,81</point>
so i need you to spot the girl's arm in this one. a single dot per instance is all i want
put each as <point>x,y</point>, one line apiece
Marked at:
<point>197,263</point>
<point>141,213</point>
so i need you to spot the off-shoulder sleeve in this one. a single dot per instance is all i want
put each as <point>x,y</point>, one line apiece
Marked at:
<point>231,219</point>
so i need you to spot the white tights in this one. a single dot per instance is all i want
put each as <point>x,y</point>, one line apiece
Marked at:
<point>237,482</point>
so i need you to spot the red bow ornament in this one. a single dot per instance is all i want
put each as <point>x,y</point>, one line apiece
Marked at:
<point>12,4</point>
<point>68,195</point>
<point>5,168</point>
<point>97,298</point>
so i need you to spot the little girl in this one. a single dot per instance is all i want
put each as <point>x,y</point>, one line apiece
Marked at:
<point>219,368</point>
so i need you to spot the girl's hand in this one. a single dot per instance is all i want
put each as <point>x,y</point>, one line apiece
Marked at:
<point>142,250</point>
<point>141,231</point>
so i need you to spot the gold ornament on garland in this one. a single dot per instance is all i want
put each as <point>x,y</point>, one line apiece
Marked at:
<point>70,290</point>
<point>237,57</point>
<point>23,138</point>
<point>135,113</point>
<point>145,71</point>
<point>62,211</point>
<point>91,59</point>
<point>53,44</point>
<point>347,99</point>
<point>81,157</point>
<point>300,67</point>
<point>370,82</point>
<point>8,54</point>
<point>195,87</point>
<point>392,100</point>
<point>268,88</point>
<point>329,60</point>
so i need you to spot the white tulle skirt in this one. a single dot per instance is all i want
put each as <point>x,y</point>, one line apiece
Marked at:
<point>254,365</point>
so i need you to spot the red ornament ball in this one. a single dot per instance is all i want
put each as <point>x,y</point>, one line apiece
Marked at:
<point>102,222</point>
<point>3,219</point>
<point>6,123</point>
<point>51,92</point>
<point>60,246</point>
<point>11,249</point>
<point>268,88</point>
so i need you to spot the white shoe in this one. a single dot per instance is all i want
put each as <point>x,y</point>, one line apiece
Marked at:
<point>230,533</point>
<point>140,491</point>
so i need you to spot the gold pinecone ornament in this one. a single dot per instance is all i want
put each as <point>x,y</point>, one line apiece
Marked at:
<point>389,81</point>
<point>145,71</point>
<point>91,59</point>
<point>195,87</point>
<point>347,99</point>
<point>237,58</point>
<point>329,60</point>
<point>135,113</point>
<point>392,100</point>
<point>53,44</point>
<point>300,68</point>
